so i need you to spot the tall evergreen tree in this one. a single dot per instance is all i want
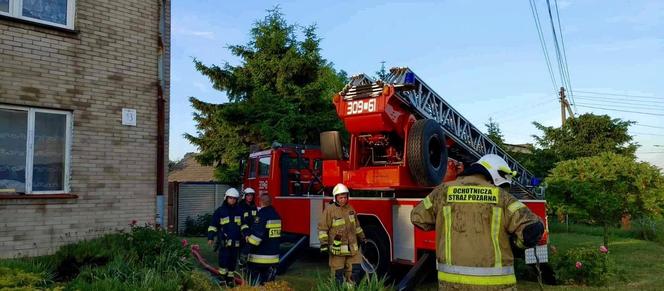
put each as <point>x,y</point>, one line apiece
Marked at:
<point>281,91</point>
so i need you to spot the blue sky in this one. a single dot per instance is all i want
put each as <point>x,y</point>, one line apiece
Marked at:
<point>483,57</point>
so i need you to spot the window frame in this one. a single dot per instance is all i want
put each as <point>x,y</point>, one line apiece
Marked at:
<point>16,11</point>
<point>30,146</point>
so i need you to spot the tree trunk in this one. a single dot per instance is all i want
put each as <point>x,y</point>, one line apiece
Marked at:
<point>606,235</point>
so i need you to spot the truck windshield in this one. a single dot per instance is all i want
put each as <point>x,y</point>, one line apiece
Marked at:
<point>264,167</point>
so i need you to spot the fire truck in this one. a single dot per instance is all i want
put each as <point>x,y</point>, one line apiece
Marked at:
<point>404,140</point>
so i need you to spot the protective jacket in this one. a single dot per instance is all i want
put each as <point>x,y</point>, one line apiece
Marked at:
<point>265,237</point>
<point>339,228</point>
<point>248,213</point>
<point>473,220</point>
<point>225,224</point>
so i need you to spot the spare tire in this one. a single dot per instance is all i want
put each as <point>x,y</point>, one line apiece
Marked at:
<point>426,152</point>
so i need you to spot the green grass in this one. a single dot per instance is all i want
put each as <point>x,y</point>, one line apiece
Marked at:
<point>640,263</point>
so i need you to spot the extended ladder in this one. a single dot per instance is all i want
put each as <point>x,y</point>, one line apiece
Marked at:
<point>428,104</point>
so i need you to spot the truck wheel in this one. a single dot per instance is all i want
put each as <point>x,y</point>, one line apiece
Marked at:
<point>426,152</point>
<point>376,251</point>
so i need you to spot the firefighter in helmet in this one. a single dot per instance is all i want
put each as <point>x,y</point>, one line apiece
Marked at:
<point>475,217</point>
<point>225,227</point>
<point>248,208</point>
<point>264,239</point>
<point>339,232</point>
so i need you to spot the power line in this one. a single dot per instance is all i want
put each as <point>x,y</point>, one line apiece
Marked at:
<point>622,95</point>
<point>619,106</point>
<point>645,125</point>
<point>645,133</point>
<point>616,99</point>
<point>540,35</point>
<point>562,41</point>
<point>629,111</point>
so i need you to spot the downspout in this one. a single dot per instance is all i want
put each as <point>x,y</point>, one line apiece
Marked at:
<point>159,219</point>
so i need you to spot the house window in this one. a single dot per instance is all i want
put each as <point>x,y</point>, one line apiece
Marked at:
<point>35,147</point>
<point>58,13</point>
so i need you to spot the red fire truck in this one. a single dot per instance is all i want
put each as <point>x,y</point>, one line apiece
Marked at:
<point>404,140</point>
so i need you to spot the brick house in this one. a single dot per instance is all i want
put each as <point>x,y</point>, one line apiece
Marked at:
<point>82,89</point>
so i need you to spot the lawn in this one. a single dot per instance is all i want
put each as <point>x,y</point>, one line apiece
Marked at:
<point>640,264</point>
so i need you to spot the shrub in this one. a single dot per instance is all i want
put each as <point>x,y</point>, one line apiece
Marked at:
<point>197,226</point>
<point>649,229</point>
<point>370,282</point>
<point>588,266</point>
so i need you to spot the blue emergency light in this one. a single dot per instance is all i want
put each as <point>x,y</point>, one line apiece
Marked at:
<point>410,78</point>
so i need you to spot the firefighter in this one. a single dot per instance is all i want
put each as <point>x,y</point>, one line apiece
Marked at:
<point>264,239</point>
<point>248,208</point>
<point>475,218</point>
<point>339,233</point>
<point>225,226</point>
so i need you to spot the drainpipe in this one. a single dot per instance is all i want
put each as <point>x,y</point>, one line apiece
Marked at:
<point>159,219</point>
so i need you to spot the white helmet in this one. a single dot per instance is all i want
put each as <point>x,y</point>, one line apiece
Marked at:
<point>249,190</point>
<point>232,192</point>
<point>339,189</point>
<point>498,169</point>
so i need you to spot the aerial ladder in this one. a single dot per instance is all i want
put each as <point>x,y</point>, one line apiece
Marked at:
<point>470,142</point>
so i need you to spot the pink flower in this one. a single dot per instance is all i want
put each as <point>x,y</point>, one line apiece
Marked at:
<point>195,247</point>
<point>579,265</point>
<point>603,249</point>
<point>185,243</point>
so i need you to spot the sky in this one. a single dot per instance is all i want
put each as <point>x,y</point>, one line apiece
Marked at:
<point>483,57</point>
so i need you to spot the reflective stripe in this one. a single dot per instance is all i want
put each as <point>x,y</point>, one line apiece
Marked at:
<point>273,223</point>
<point>243,227</point>
<point>447,216</point>
<point>322,235</point>
<point>358,230</point>
<point>253,212</point>
<point>224,220</point>
<point>212,229</point>
<point>238,220</point>
<point>354,247</point>
<point>254,240</point>
<point>263,259</point>
<point>351,218</point>
<point>323,248</point>
<point>477,280</point>
<point>222,271</point>
<point>475,271</point>
<point>519,243</point>
<point>338,222</point>
<point>495,233</point>
<point>427,203</point>
<point>246,214</point>
<point>345,249</point>
<point>515,206</point>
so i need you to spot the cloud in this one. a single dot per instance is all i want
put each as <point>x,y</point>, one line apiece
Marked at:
<point>562,4</point>
<point>649,15</point>
<point>181,31</point>
<point>636,44</point>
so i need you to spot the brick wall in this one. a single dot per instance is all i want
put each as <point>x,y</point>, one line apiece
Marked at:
<point>108,63</point>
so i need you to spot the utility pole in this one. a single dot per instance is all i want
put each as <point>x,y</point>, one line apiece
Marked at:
<point>564,106</point>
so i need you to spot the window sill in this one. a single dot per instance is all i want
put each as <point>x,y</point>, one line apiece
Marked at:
<point>36,196</point>
<point>44,26</point>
